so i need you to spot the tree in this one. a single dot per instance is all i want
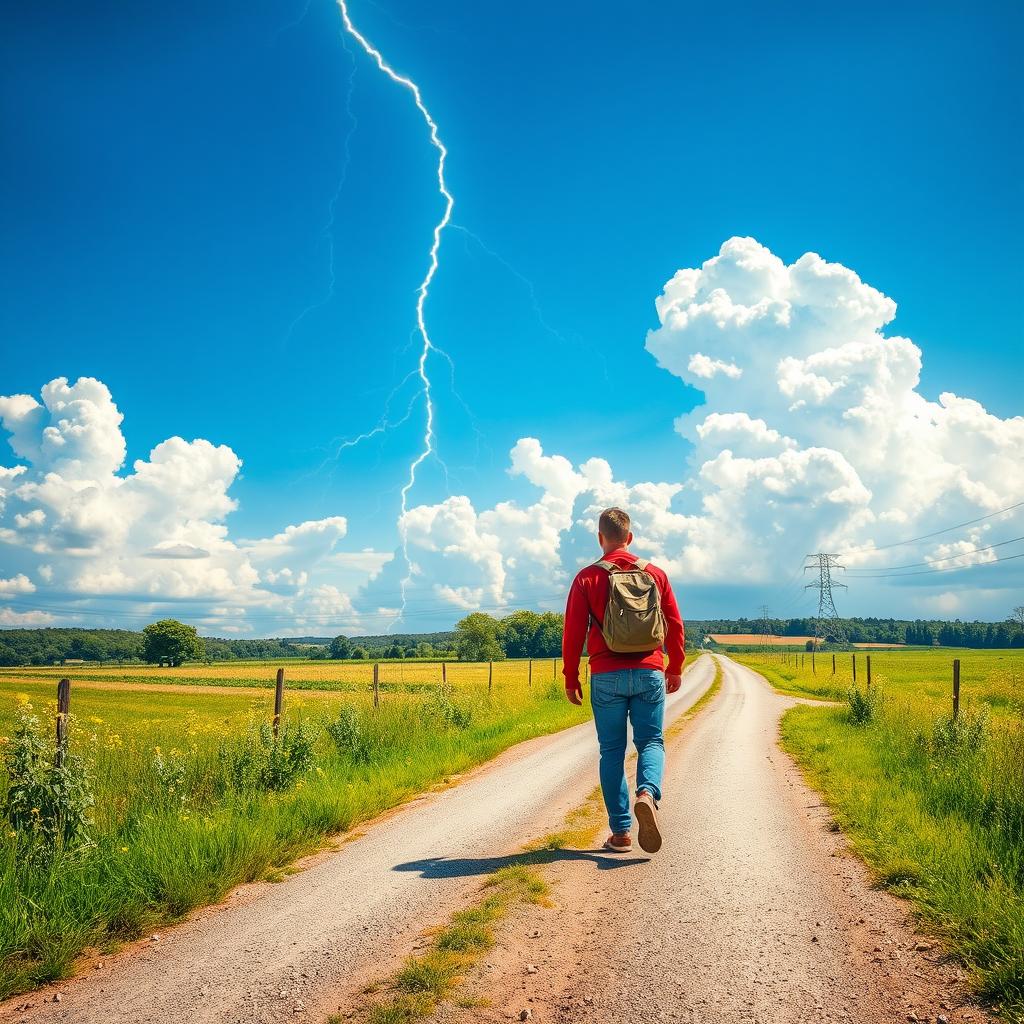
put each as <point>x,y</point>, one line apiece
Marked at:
<point>1017,615</point>
<point>171,641</point>
<point>341,647</point>
<point>478,638</point>
<point>519,633</point>
<point>360,653</point>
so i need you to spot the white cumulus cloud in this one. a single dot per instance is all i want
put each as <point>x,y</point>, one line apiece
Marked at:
<point>813,435</point>
<point>73,522</point>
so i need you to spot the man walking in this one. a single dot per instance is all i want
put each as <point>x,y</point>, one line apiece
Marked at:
<point>625,610</point>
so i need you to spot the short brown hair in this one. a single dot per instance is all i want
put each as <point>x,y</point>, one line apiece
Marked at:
<point>614,524</point>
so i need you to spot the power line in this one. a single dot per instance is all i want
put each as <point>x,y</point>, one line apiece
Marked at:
<point>949,568</point>
<point>928,536</point>
<point>948,558</point>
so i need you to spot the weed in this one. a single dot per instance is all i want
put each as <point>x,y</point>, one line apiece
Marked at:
<point>265,762</point>
<point>47,806</point>
<point>349,734</point>
<point>864,705</point>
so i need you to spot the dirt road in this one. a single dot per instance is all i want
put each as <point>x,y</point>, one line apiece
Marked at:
<point>288,951</point>
<point>752,912</point>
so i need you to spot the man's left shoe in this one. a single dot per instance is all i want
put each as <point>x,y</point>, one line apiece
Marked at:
<point>648,833</point>
<point>619,842</point>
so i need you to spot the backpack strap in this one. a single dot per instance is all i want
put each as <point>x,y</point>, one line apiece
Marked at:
<point>640,565</point>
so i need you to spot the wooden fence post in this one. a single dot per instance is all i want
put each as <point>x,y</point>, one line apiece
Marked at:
<point>814,671</point>
<point>376,684</point>
<point>444,672</point>
<point>854,657</point>
<point>833,664</point>
<point>490,677</point>
<point>868,656</point>
<point>278,700</point>
<point>956,688</point>
<point>529,677</point>
<point>63,709</point>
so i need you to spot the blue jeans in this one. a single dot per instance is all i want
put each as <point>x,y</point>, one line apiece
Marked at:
<point>636,695</point>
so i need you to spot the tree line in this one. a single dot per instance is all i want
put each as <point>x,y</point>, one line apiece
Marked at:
<point>477,637</point>
<point>915,632</point>
<point>54,646</point>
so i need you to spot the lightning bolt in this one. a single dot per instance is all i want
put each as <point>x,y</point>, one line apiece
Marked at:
<point>429,448</point>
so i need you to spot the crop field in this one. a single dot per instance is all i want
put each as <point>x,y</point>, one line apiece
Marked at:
<point>935,804</point>
<point>405,675</point>
<point>170,796</point>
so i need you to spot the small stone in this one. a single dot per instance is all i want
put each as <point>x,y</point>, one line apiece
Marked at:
<point>154,937</point>
<point>526,1014</point>
<point>531,969</point>
<point>814,938</point>
<point>922,946</point>
<point>57,997</point>
<point>589,1000</point>
<point>535,934</point>
<point>942,1019</point>
<point>912,1017</point>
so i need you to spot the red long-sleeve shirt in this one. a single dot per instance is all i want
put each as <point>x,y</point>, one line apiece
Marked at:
<point>584,613</point>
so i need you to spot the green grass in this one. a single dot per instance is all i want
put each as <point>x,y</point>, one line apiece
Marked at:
<point>923,677</point>
<point>935,808</point>
<point>164,845</point>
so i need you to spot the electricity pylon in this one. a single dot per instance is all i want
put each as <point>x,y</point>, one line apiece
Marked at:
<point>765,632</point>
<point>828,626</point>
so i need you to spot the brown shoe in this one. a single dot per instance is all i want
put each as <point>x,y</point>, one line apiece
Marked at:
<point>619,842</point>
<point>648,835</point>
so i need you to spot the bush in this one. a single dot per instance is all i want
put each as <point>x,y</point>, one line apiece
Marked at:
<point>349,735</point>
<point>263,762</point>
<point>47,807</point>
<point>452,714</point>
<point>864,705</point>
<point>963,736</point>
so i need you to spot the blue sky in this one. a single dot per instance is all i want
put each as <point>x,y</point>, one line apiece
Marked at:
<point>170,173</point>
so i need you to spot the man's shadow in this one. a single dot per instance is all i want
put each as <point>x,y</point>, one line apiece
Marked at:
<point>464,867</point>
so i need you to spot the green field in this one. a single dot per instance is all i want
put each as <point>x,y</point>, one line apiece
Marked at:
<point>922,676</point>
<point>935,806</point>
<point>192,796</point>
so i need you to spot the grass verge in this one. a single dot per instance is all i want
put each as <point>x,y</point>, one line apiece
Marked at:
<point>174,830</point>
<point>936,809</point>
